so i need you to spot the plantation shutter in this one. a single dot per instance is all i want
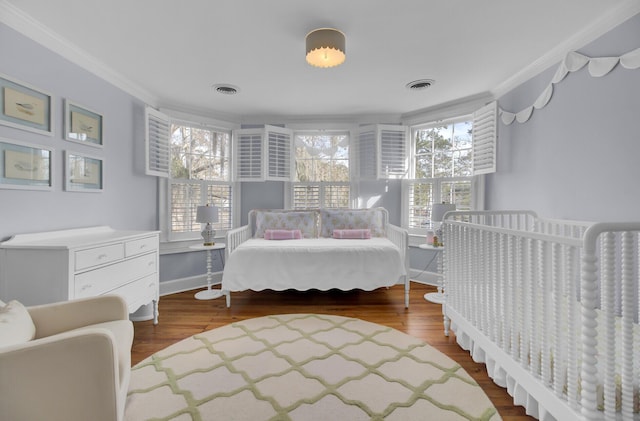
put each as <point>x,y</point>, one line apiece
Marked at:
<point>382,152</point>
<point>279,153</point>
<point>263,154</point>
<point>485,135</point>
<point>366,153</point>
<point>306,196</point>
<point>394,162</point>
<point>248,154</point>
<point>419,196</point>
<point>157,139</point>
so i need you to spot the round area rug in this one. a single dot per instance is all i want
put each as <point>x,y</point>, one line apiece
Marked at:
<point>304,367</point>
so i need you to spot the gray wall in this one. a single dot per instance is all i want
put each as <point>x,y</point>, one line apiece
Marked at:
<point>129,200</point>
<point>577,158</point>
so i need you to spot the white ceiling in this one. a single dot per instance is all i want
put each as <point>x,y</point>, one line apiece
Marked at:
<point>173,51</point>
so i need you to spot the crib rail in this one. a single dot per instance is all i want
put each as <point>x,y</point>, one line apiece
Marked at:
<point>538,290</point>
<point>610,310</point>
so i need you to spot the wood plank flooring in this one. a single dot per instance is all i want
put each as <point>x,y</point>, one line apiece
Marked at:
<point>181,316</point>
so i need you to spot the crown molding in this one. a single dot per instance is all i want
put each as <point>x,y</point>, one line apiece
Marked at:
<point>329,119</point>
<point>31,28</point>
<point>603,25</point>
<point>447,110</point>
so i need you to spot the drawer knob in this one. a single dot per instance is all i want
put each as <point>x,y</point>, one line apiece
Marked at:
<point>86,287</point>
<point>102,256</point>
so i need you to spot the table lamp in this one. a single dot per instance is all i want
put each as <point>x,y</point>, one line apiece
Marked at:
<point>207,215</point>
<point>437,215</point>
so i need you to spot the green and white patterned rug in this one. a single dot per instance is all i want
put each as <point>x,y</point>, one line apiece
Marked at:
<point>304,367</point>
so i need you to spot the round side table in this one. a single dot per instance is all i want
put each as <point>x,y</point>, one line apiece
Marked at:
<point>435,297</point>
<point>209,293</point>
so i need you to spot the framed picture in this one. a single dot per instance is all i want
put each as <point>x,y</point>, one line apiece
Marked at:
<point>25,107</point>
<point>83,173</point>
<point>25,166</point>
<point>82,125</point>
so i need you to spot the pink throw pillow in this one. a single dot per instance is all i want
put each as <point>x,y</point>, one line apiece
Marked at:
<point>282,234</point>
<point>358,234</point>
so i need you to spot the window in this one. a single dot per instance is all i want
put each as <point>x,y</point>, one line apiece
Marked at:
<point>199,174</point>
<point>321,171</point>
<point>442,170</point>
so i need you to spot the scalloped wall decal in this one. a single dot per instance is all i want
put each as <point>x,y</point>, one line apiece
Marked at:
<point>573,61</point>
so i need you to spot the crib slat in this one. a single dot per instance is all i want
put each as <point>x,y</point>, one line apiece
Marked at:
<point>537,293</point>
<point>627,325</point>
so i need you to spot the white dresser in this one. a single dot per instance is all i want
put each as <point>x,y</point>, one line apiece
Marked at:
<point>46,267</point>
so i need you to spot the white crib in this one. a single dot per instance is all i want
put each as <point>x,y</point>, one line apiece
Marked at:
<point>551,307</point>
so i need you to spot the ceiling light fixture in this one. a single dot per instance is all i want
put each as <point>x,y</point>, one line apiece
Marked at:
<point>325,47</point>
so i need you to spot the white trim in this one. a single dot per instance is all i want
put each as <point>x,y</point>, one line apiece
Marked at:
<point>423,277</point>
<point>188,119</point>
<point>459,107</point>
<point>589,34</point>
<point>189,283</point>
<point>26,25</point>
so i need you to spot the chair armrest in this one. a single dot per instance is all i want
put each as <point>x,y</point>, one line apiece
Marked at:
<point>237,236</point>
<point>73,375</point>
<point>51,319</point>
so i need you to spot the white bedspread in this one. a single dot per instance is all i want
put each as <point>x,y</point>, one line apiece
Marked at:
<point>319,263</point>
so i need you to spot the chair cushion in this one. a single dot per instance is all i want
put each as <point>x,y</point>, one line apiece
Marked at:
<point>16,325</point>
<point>122,330</point>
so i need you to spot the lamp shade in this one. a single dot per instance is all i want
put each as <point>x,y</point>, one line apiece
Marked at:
<point>207,214</point>
<point>439,209</point>
<point>325,47</point>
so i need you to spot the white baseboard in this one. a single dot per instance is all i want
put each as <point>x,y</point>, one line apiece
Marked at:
<point>423,277</point>
<point>186,284</point>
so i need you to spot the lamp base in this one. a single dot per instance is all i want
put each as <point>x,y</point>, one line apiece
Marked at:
<point>208,234</point>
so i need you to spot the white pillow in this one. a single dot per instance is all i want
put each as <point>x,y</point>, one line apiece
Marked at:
<point>16,325</point>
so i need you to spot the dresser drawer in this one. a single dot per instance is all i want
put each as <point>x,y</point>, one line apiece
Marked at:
<point>141,245</point>
<point>138,292</point>
<point>102,280</point>
<point>98,256</point>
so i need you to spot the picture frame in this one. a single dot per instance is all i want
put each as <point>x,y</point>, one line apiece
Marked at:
<point>25,166</point>
<point>25,107</point>
<point>82,125</point>
<point>83,173</point>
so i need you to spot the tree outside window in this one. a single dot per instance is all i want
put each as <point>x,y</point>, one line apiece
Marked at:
<point>442,169</point>
<point>199,175</point>
<point>322,170</point>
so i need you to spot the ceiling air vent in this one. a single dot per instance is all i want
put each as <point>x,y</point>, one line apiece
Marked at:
<point>417,85</point>
<point>226,89</point>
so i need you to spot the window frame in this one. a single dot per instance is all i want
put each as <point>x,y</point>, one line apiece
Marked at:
<point>321,186</point>
<point>436,182</point>
<point>180,240</point>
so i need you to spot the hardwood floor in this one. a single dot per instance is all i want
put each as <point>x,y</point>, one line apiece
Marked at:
<point>181,316</point>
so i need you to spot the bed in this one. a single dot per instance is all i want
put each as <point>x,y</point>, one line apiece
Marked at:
<point>551,307</point>
<point>316,259</point>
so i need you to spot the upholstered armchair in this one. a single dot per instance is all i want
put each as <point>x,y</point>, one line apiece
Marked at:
<point>65,361</point>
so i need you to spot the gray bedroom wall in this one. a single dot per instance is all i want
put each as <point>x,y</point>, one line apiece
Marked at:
<point>576,158</point>
<point>129,199</point>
